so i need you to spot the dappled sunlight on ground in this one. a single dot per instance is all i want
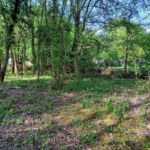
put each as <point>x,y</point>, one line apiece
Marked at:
<point>94,114</point>
<point>108,130</point>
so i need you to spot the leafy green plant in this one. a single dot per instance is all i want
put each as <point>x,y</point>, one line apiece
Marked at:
<point>87,138</point>
<point>78,111</point>
<point>36,116</point>
<point>77,122</point>
<point>30,140</point>
<point>147,145</point>
<point>109,129</point>
<point>122,107</point>
<point>18,144</point>
<point>20,120</point>
<point>3,111</point>
<point>6,111</point>
<point>100,114</point>
<point>86,103</point>
<point>9,101</point>
<point>109,106</point>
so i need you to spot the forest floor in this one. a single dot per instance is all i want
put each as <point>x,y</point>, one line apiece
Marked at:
<point>90,113</point>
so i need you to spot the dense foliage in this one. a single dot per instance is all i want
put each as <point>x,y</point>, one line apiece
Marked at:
<point>58,37</point>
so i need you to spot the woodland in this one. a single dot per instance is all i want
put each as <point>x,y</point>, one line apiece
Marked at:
<point>74,74</point>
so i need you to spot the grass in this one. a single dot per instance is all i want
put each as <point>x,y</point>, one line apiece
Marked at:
<point>91,112</point>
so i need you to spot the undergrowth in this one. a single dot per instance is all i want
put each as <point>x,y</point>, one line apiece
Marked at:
<point>95,110</point>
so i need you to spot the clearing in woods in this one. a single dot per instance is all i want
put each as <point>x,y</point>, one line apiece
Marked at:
<point>89,113</point>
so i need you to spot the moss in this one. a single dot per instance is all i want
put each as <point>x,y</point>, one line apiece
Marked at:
<point>110,119</point>
<point>113,147</point>
<point>76,106</point>
<point>106,138</point>
<point>81,130</point>
<point>86,110</point>
<point>132,125</point>
<point>142,140</point>
<point>64,121</point>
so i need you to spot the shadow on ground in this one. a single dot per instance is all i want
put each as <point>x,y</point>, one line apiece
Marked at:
<point>35,117</point>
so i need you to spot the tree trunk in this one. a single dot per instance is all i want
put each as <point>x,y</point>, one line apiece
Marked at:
<point>107,64</point>
<point>21,67</point>
<point>76,10</point>
<point>9,30</point>
<point>64,67</point>
<point>23,57</point>
<point>49,58</point>
<point>18,60</point>
<point>33,50</point>
<point>148,80</point>
<point>126,57</point>
<point>0,64</point>
<point>39,46</point>
<point>75,44</point>
<point>6,57</point>
<point>12,63</point>
<point>3,69</point>
<point>47,39</point>
<point>126,63</point>
<point>54,32</point>
<point>32,44</point>
<point>136,78</point>
<point>16,64</point>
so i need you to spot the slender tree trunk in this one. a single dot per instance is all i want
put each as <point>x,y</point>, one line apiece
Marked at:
<point>24,57</point>
<point>33,50</point>
<point>136,78</point>
<point>47,40</point>
<point>75,45</point>
<point>0,63</point>
<point>6,57</point>
<point>0,59</point>
<point>16,64</point>
<point>18,59</point>
<point>54,32</point>
<point>106,64</point>
<point>126,62</point>
<point>126,57</point>
<point>32,44</point>
<point>64,67</point>
<point>38,66</point>
<point>12,62</point>
<point>49,58</point>
<point>39,46</point>
<point>21,66</point>
<point>149,80</point>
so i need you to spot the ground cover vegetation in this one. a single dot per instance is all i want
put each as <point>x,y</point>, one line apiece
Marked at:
<point>68,86</point>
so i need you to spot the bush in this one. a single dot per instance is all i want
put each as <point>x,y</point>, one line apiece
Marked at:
<point>144,69</point>
<point>86,66</point>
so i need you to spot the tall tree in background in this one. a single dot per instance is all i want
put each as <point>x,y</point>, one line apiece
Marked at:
<point>55,31</point>
<point>92,12</point>
<point>9,11</point>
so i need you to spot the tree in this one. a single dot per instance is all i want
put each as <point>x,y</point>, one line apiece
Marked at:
<point>55,32</point>
<point>10,18</point>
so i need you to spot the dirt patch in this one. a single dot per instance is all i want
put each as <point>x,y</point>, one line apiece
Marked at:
<point>105,71</point>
